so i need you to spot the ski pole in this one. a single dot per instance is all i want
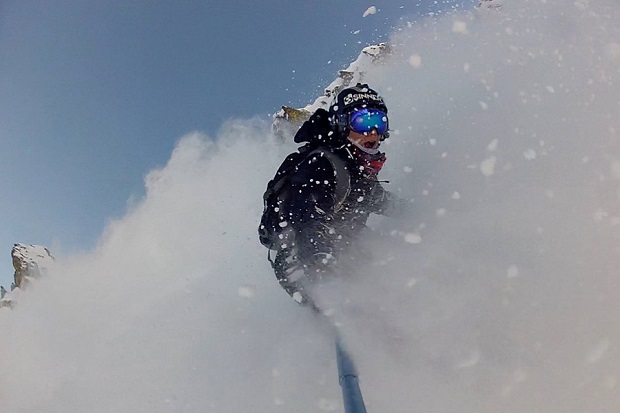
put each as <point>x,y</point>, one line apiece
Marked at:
<point>347,376</point>
<point>347,373</point>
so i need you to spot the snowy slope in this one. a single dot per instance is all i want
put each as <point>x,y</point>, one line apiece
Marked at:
<point>500,293</point>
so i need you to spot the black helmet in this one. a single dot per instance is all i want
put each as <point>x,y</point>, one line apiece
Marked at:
<point>356,97</point>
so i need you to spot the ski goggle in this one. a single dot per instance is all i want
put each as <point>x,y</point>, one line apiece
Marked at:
<point>365,120</point>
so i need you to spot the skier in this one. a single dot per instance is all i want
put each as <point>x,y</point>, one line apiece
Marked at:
<point>321,197</point>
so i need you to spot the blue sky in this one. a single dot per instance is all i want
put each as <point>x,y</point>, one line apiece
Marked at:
<point>93,95</point>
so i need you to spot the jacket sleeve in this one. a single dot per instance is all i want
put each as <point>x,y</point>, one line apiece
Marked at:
<point>388,204</point>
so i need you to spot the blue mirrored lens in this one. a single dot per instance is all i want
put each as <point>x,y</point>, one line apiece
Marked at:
<point>365,120</point>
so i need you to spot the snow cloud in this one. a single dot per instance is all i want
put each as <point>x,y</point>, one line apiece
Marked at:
<point>498,293</point>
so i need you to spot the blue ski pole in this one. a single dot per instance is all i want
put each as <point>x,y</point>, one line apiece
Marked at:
<point>347,375</point>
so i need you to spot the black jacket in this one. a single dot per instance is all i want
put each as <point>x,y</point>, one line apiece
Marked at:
<point>323,220</point>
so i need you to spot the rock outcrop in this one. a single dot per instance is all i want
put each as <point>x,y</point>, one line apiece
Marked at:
<point>30,262</point>
<point>490,4</point>
<point>288,119</point>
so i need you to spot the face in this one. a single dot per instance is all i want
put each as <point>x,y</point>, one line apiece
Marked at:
<point>368,140</point>
<point>366,126</point>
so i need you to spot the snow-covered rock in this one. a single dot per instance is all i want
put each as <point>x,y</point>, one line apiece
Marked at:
<point>288,119</point>
<point>30,262</point>
<point>490,4</point>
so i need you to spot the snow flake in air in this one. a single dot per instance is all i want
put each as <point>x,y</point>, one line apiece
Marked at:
<point>412,238</point>
<point>597,352</point>
<point>328,405</point>
<point>600,215</point>
<point>512,272</point>
<point>246,291</point>
<point>471,360</point>
<point>369,11</point>
<point>487,167</point>
<point>298,297</point>
<point>415,60</point>
<point>459,27</point>
<point>612,50</point>
<point>530,154</point>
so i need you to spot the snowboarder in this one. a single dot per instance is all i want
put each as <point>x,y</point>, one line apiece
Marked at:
<point>322,195</point>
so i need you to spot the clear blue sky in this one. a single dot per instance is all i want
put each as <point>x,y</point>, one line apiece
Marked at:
<point>93,94</point>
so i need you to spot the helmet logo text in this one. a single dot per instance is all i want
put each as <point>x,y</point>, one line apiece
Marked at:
<point>355,97</point>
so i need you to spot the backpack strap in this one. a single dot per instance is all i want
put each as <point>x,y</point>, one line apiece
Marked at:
<point>341,173</point>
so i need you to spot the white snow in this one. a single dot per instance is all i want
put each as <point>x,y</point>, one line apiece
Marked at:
<point>492,146</point>
<point>247,291</point>
<point>415,60</point>
<point>612,50</point>
<point>370,10</point>
<point>512,271</point>
<point>514,290</point>
<point>487,167</point>
<point>298,297</point>
<point>460,27</point>
<point>329,405</point>
<point>413,238</point>
<point>471,360</point>
<point>598,351</point>
<point>529,154</point>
